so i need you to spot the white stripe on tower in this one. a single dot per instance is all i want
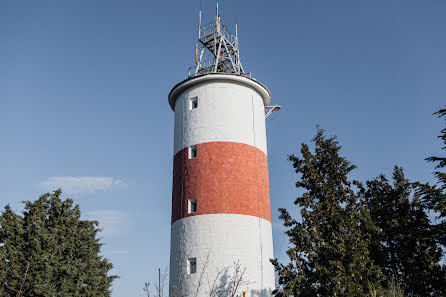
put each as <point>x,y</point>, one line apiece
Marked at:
<point>220,197</point>
<point>230,108</point>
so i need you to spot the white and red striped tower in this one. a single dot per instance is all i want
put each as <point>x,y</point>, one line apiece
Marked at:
<point>220,198</point>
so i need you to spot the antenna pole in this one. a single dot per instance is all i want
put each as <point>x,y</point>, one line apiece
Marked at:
<point>216,39</point>
<point>237,57</point>
<point>217,20</point>
<point>199,24</point>
<point>159,282</point>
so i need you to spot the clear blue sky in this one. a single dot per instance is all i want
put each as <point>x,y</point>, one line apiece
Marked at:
<point>83,101</point>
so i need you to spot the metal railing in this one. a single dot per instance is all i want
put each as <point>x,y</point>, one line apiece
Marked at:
<point>211,28</point>
<point>212,70</point>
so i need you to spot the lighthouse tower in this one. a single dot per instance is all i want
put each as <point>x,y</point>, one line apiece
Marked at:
<point>221,218</point>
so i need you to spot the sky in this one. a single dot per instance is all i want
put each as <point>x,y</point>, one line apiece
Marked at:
<point>83,101</point>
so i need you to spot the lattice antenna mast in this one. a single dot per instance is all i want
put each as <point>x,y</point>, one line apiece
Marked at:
<point>222,46</point>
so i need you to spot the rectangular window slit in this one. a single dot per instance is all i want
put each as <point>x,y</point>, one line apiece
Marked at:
<point>191,265</point>
<point>192,205</point>
<point>193,103</point>
<point>193,151</point>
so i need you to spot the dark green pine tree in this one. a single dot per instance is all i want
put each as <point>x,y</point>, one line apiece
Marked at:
<point>50,251</point>
<point>405,248</point>
<point>434,196</point>
<point>329,252</point>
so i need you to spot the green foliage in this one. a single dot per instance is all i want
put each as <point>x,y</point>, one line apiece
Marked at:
<point>50,251</point>
<point>441,161</point>
<point>434,196</point>
<point>329,250</point>
<point>405,246</point>
<point>393,290</point>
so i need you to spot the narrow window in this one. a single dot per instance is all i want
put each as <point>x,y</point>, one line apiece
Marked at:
<point>192,151</point>
<point>193,103</point>
<point>192,205</point>
<point>191,265</point>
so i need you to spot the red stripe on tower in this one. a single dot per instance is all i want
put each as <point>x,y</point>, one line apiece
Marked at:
<point>223,177</point>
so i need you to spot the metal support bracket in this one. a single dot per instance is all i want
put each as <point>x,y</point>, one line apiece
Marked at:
<point>270,109</point>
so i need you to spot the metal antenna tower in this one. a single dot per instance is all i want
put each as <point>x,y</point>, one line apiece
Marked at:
<point>222,47</point>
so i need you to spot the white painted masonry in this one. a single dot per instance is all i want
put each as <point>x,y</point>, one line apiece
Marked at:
<point>230,108</point>
<point>220,240</point>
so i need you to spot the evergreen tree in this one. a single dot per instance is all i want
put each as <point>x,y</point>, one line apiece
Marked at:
<point>405,247</point>
<point>329,250</point>
<point>50,251</point>
<point>434,196</point>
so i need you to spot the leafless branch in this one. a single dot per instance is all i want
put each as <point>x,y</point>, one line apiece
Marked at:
<point>216,288</point>
<point>200,279</point>
<point>146,289</point>
<point>178,288</point>
<point>159,288</point>
<point>229,282</point>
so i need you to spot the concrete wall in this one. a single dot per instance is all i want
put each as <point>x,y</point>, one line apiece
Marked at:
<point>217,241</point>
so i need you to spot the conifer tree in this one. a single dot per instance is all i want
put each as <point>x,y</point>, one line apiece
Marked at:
<point>405,247</point>
<point>50,251</point>
<point>329,252</point>
<point>434,196</point>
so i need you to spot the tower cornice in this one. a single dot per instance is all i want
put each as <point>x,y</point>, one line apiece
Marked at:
<point>215,77</point>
